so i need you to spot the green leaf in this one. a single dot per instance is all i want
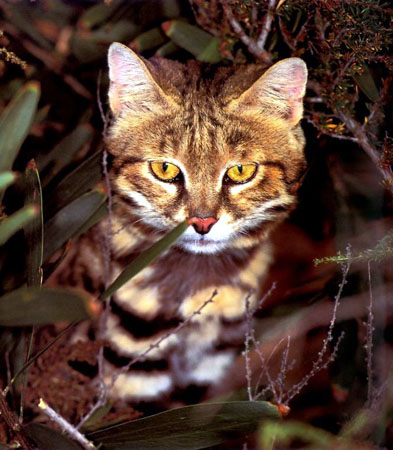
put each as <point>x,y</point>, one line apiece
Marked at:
<point>202,45</point>
<point>16,222</point>
<point>15,123</point>
<point>76,183</point>
<point>49,439</point>
<point>34,230</point>
<point>191,427</point>
<point>145,258</point>
<point>92,423</point>
<point>167,49</point>
<point>148,40</point>
<point>366,83</point>
<point>21,16</point>
<point>40,306</point>
<point>273,433</point>
<point>6,179</point>
<point>98,14</point>
<point>64,151</point>
<point>68,222</point>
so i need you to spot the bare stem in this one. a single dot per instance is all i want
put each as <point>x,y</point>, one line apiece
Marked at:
<point>369,341</point>
<point>359,133</point>
<point>12,422</point>
<point>261,42</point>
<point>158,342</point>
<point>65,426</point>
<point>251,44</point>
<point>318,364</point>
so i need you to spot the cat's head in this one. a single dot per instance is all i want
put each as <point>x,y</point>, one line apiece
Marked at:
<point>220,147</point>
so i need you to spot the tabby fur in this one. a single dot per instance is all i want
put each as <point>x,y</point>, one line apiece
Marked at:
<point>204,119</point>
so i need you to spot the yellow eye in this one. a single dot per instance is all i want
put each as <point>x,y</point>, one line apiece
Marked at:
<point>164,170</point>
<point>241,173</point>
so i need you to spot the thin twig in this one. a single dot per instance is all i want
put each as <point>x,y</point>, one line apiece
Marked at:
<point>250,338</point>
<point>280,381</point>
<point>12,422</point>
<point>250,43</point>
<point>369,341</point>
<point>359,133</point>
<point>103,388</point>
<point>65,426</point>
<point>318,364</point>
<point>261,42</point>
<point>159,341</point>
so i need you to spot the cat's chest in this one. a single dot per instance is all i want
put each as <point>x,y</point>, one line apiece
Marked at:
<point>179,282</point>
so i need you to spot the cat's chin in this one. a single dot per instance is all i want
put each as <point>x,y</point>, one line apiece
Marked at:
<point>204,246</point>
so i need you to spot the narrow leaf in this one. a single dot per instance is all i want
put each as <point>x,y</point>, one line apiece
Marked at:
<point>67,223</point>
<point>202,45</point>
<point>148,40</point>
<point>367,84</point>
<point>64,151</point>
<point>6,179</point>
<point>40,352</point>
<point>16,222</point>
<point>15,123</point>
<point>49,439</point>
<point>167,49</point>
<point>34,306</point>
<point>79,181</point>
<point>97,14</point>
<point>191,427</point>
<point>34,230</point>
<point>145,258</point>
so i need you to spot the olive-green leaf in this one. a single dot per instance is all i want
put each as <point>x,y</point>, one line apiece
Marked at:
<point>34,230</point>
<point>167,49</point>
<point>191,427</point>
<point>148,40</point>
<point>16,222</point>
<point>66,224</point>
<point>366,83</point>
<point>202,45</point>
<point>15,123</point>
<point>98,14</point>
<point>76,183</point>
<point>40,306</point>
<point>285,432</point>
<point>49,439</point>
<point>6,179</point>
<point>145,258</point>
<point>63,152</point>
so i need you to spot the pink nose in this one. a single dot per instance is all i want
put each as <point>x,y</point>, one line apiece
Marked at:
<point>202,225</point>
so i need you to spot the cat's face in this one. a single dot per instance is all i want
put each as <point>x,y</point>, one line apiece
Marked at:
<point>222,154</point>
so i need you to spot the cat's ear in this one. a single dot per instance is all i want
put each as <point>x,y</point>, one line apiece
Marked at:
<point>132,87</point>
<point>279,91</point>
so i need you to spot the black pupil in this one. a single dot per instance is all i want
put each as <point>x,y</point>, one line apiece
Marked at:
<point>240,168</point>
<point>165,166</point>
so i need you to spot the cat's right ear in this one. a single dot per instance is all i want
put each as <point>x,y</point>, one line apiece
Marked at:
<point>132,87</point>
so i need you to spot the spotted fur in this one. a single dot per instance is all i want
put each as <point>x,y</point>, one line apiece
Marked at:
<point>204,120</point>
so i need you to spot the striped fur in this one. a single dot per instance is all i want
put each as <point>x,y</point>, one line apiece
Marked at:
<point>204,120</point>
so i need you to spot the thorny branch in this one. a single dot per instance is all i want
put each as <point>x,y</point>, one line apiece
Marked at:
<point>276,386</point>
<point>250,339</point>
<point>318,365</point>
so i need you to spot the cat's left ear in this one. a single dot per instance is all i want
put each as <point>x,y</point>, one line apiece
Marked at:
<point>132,87</point>
<point>279,91</point>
